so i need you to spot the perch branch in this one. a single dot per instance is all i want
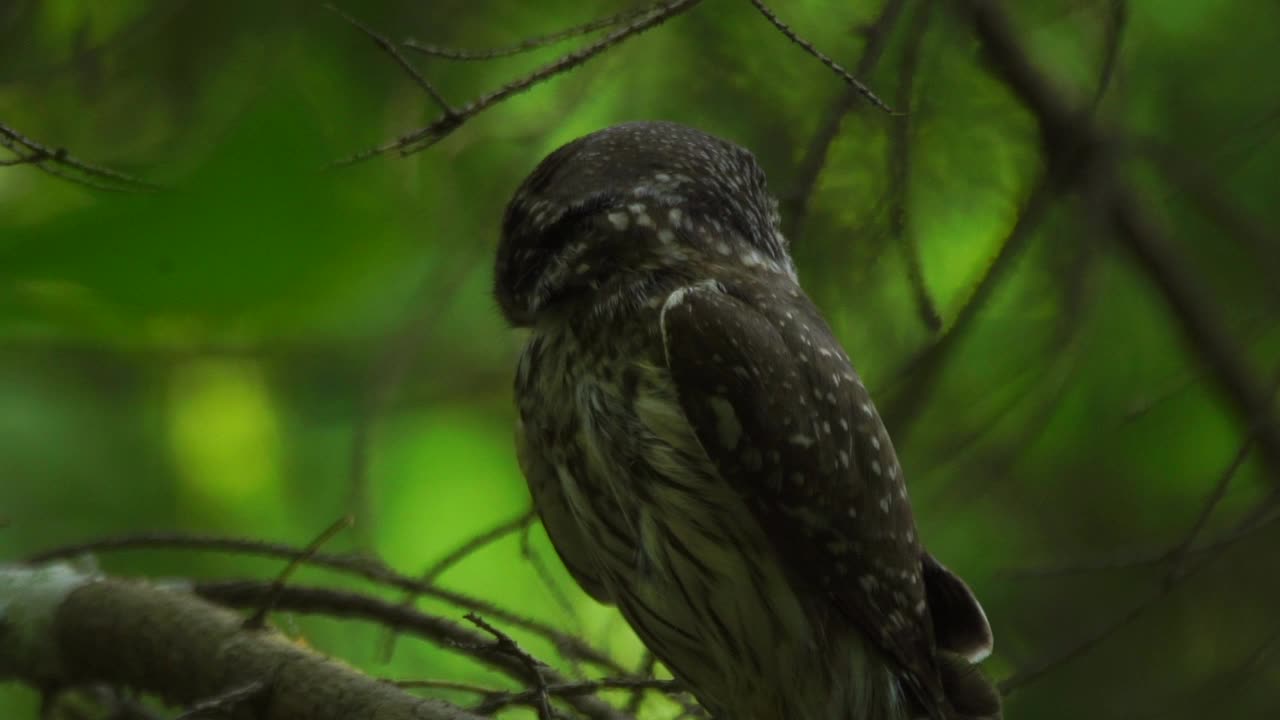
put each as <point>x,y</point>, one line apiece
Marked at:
<point>346,604</point>
<point>366,568</point>
<point>61,627</point>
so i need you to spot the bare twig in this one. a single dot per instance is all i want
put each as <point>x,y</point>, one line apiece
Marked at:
<point>1178,554</point>
<point>1171,581</point>
<point>920,374</point>
<point>1242,531</point>
<point>808,47</point>
<point>647,663</point>
<point>432,133</point>
<point>508,527</point>
<point>796,204</point>
<point>1117,20</point>
<point>504,644</point>
<point>445,685</point>
<point>390,48</point>
<point>258,619</point>
<point>60,163</point>
<point>544,573</point>
<point>462,552</point>
<point>367,568</point>
<point>586,687</point>
<point>386,375</point>
<point>900,169</point>
<point>531,43</point>
<point>444,632</point>
<point>1037,669</point>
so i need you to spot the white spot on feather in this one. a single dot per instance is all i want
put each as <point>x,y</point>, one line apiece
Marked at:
<point>728,429</point>
<point>800,439</point>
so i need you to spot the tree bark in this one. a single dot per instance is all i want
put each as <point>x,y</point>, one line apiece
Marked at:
<point>62,627</point>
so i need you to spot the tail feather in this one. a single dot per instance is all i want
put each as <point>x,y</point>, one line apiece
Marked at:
<point>970,693</point>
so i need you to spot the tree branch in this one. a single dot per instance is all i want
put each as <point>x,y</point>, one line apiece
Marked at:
<point>795,207</point>
<point>60,627</point>
<point>432,133</point>
<point>1079,153</point>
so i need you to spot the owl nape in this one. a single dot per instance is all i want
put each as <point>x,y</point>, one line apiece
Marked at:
<point>704,455</point>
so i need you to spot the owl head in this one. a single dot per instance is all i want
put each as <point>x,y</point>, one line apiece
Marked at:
<point>632,198</point>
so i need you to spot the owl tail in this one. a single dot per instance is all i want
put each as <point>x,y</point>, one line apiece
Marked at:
<point>964,639</point>
<point>970,693</point>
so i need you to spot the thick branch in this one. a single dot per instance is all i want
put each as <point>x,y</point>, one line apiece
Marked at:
<point>59,627</point>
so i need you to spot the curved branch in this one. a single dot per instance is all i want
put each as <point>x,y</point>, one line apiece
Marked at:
<point>60,627</point>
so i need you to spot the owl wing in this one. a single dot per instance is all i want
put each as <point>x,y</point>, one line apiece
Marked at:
<point>776,404</point>
<point>553,508</point>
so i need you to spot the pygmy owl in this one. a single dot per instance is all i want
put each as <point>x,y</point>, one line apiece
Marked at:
<point>703,454</point>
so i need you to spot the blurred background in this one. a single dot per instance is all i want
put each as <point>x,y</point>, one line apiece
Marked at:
<point>269,343</point>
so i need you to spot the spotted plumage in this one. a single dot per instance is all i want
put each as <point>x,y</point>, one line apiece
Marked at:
<point>702,452</point>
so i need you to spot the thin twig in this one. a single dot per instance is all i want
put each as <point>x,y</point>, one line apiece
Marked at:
<point>462,552</point>
<point>443,632</point>
<point>917,379</point>
<point>398,353</point>
<point>808,47</point>
<point>647,663</point>
<point>504,643</point>
<point>444,685</point>
<point>390,48</point>
<point>544,573</point>
<point>259,618</point>
<point>586,687</point>
<point>425,137</point>
<point>796,204</point>
<point>1038,669</point>
<point>531,43</point>
<point>364,567</point>
<point>900,170</point>
<point>1178,554</point>
<point>479,542</point>
<point>1117,19</point>
<point>1242,531</point>
<point>49,159</point>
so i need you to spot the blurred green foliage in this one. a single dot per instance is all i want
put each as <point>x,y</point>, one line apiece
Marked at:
<point>204,358</point>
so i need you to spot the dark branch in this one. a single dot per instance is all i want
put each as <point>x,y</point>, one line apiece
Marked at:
<point>62,164</point>
<point>429,135</point>
<point>369,569</point>
<point>390,48</point>
<point>532,43</point>
<point>1117,20</point>
<point>1079,153</point>
<point>900,170</point>
<point>808,47</point>
<point>446,633</point>
<point>259,618</point>
<point>796,204</point>
<point>920,375</point>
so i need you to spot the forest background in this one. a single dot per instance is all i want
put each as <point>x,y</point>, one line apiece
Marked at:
<point>1055,264</point>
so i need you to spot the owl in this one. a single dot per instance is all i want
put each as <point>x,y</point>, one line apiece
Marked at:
<point>703,454</point>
